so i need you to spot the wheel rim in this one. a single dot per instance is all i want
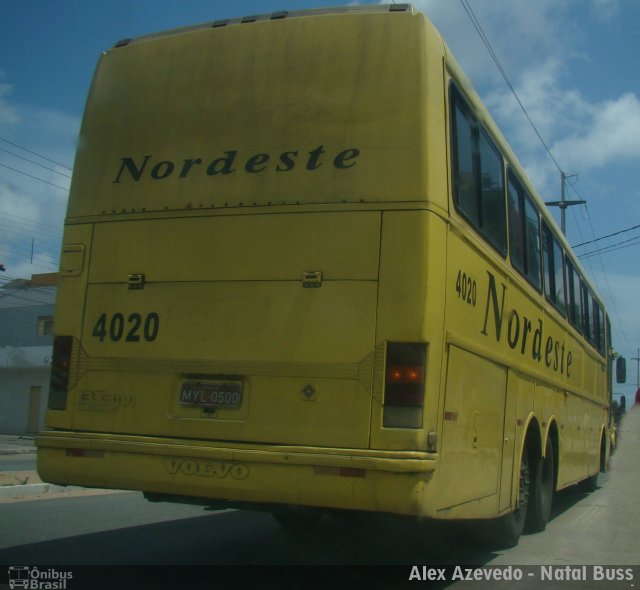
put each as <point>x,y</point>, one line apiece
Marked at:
<point>524,485</point>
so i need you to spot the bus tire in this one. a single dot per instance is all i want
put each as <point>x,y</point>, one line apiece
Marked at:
<point>542,486</point>
<point>506,530</point>
<point>591,483</point>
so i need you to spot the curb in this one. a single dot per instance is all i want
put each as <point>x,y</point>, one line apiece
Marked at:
<point>34,489</point>
<point>18,451</point>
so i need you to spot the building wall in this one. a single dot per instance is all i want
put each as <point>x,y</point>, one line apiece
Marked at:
<point>15,399</point>
<point>20,325</point>
<point>26,312</point>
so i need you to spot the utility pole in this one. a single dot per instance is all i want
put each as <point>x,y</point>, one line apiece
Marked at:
<point>637,359</point>
<point>563,203</point>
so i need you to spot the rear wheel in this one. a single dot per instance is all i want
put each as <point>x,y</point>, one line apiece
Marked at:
<point>541,491</point>
<point>590,484</point>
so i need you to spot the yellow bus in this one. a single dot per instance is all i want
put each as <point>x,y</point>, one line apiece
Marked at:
<point>303,270</point>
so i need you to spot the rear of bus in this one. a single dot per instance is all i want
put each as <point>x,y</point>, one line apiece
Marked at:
<point>254,220</point>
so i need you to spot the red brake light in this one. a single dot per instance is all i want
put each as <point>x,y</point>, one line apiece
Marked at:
<point>405,374</point>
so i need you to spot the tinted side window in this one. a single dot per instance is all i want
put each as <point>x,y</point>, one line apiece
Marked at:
<point>478,175</point>
<point>492,194</point>
<point>516,225</point>
<point>598,324</point>
<point>574,295</point>
<point>532,233</point>
<point>524,232</point>
<point>464,182</point>
<point>553,255</point>
<point>587,307</point>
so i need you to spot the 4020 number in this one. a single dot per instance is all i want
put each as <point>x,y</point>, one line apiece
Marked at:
<point>466,288</point>
<point>134,329</point>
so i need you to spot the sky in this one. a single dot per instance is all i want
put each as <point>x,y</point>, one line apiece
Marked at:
<point>573,64</point>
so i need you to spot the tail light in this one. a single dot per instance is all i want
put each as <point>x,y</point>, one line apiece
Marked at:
<point>60,368</point>
<point>404,384</point>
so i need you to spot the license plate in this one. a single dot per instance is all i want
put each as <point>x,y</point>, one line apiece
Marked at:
<point>212,395</point>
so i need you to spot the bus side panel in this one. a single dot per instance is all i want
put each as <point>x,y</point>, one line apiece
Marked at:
<point>472,433</point>
<point>573,440</point>
<point>509,452</point>
<point>401,306</point>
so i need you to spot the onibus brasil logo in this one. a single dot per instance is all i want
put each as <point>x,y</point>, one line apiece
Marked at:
<point>33,578</point>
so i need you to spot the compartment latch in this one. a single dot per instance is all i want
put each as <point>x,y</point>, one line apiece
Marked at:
<point>136,281</point>
<point>312,279</point>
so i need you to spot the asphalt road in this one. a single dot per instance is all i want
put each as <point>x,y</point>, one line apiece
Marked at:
<point>597,530</point>
<point>124,529</point>
<point>24,462</point>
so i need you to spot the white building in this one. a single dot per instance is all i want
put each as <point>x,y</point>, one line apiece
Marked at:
<point>26,321</point>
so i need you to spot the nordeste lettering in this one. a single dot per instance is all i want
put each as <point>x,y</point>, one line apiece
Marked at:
<point>136,168</point>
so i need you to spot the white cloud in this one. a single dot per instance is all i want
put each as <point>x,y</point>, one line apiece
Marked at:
<point>553,110</point>
<point>16,202</point>
<point>520,32</point>
<point>537,43</point>
<point>604,10</point>
<point>31,209</point>
<point>581,134</point>
<point>8,114</point>
<point>612,132</point>
<point>26,216</point>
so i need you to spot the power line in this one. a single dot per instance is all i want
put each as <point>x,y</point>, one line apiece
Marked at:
<point>49,267</point>
<point>10,236</point>
<point>18,229</point>
<point>34,177</point>
<point>614,305</point>
<point>622,231</point>
<point>35,153</point>
<point>606,279</point>
<point>30,223</point>
<point>27,254</point>
<point>494,57</point>
<point>612,247</point>
<point>614,325</point>
<point>35,163</point>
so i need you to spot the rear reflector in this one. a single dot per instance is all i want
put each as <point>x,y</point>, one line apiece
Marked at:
<point>340,471</point>
<point>60,367</point>
<point>84,453</point>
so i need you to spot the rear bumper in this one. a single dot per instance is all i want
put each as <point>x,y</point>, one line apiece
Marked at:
<point>386,481</point>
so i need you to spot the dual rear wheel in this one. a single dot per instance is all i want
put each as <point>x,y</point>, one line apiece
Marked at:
<point>535,495</point>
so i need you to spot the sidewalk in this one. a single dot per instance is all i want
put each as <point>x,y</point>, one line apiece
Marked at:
<point>15,485</point>
<point>18,485</point>
<point>16,445</point>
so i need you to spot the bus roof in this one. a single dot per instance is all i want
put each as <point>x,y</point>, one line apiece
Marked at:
<point>278,15</point>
